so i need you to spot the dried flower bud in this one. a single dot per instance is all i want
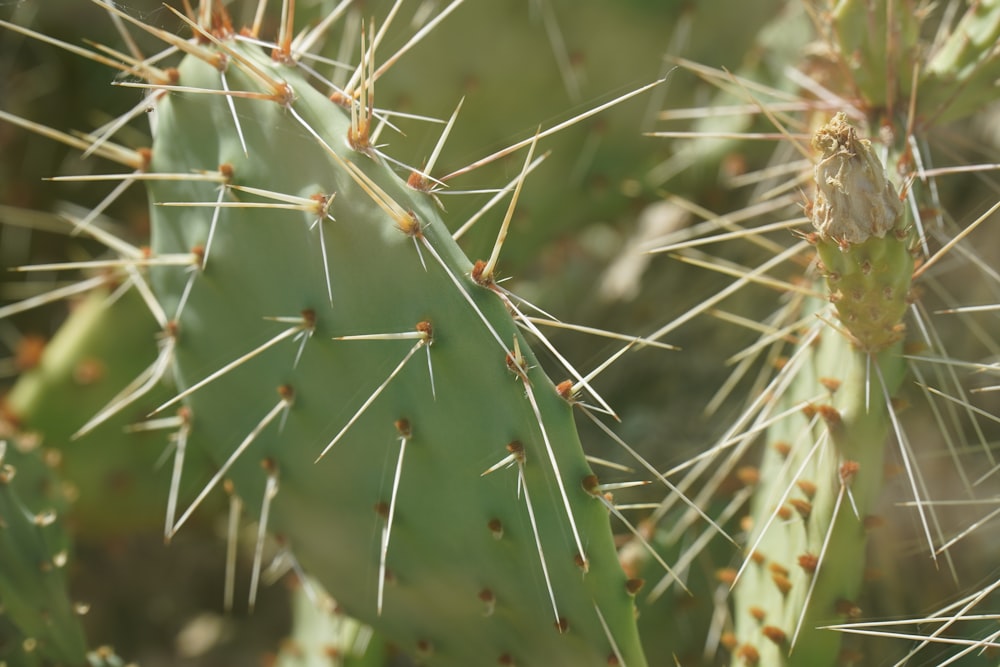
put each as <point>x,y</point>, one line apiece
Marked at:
<point>854,199</point>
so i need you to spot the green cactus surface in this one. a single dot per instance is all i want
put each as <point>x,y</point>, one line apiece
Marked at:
<point>386,379</point>
<point>822,471</point>
<point>34,552</point>
<point>276,316</point>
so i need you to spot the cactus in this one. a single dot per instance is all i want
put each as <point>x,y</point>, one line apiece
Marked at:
<point>370,397</point>
<point>34,552</point>
<point>416,328</point>
<point>822,471</point>
<point>101,348</point>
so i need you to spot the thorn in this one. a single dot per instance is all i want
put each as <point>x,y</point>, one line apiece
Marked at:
<point>500,194</point>
<point>270,491</point>
<point>52,296</point>
<point>180,448</point>
<point>403,426</point>
<point>287,396</point>
<point>137,388</point>
<point>123,156</point>
<point>232,111</point>
<point>517,363</point>
<point>422,180</point>
<point>616,653</point>
<point>281,92</point>
<point>519,457</point>
<point>232,544</point>
<point>307,322</point>
<point>423,339</point>
<point>487,275</point>
<point>556,128</point>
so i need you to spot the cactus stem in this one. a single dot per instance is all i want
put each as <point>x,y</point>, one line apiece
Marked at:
<point>270,491</point>
<point>424,340</point>
<point>280,408</point>
<point>780,503</point>
<point>404,428</point>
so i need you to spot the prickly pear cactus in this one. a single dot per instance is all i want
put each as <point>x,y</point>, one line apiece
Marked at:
<point>823,469</point>
<point>41,623</point>
<point>101,348</point>
<point>355,376</point>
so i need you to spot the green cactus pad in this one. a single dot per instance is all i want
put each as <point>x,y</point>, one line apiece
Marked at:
<point>820,480</point>
<point>34,550</point>
<point>479,569</point>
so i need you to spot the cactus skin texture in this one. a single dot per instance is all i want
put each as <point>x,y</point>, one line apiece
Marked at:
<point>466,583</point>
<point>342,324</point>
<point>34,546</point>
<point>831,459</point>
<point>102,346</point>
<point>823,469</point>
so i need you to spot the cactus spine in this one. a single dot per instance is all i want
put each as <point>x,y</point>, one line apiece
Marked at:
<point>367,379</point>
<point>370,394</point>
